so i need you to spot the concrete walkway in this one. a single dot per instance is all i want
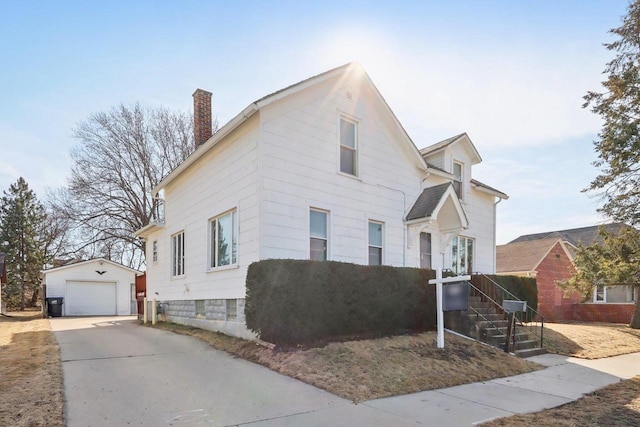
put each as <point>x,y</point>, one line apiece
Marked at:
<point>118,373</point>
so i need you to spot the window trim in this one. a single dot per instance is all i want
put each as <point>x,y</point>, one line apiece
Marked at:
<point>461,181</point>
<point>469,268</point>
<point>154,250</point>
<point>327,238</point>
<point>356,163</point>
<point>382,241</point>
<point>634,295</point>
<point>174,255</point>
<point>211,247</point>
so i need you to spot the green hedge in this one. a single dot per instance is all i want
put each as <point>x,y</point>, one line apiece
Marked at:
<point>298,301</point>
<point>524,288</point>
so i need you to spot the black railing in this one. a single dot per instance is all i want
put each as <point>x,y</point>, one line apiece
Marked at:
<point>530,319</point>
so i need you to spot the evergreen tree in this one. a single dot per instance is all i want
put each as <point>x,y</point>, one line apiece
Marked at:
<point>22,220</point>
<point>618,143</point>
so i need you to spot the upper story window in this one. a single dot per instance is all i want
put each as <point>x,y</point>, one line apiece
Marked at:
<point>457,183</point>
<point>348,148</point>
<point>375,243</point>
<point>319,235</point>
<point>224,241</point>
<point>177,254</point>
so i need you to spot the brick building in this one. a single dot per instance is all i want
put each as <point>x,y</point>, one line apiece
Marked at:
<point>549,258</point>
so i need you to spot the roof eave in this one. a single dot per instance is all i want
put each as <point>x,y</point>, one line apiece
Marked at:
<point>225,130</point>
<point>491,191</point>
<point>148,229</point>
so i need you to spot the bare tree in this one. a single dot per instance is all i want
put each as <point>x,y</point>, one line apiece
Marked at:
<point>123,154</point>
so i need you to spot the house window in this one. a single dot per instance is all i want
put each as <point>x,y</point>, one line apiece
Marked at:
<point>318,232</point>
<point>348,148</point>
<point>425,250</point>
<point>375,243</point>
<point>462,255</point>
<point>457,183</point>
<point>232,309</point>
<point>155,251</point>
<point>614,294</point>
<point>599,293</point>
<point>223,240</point>
<point>177,254</point>
<point>200,313</point>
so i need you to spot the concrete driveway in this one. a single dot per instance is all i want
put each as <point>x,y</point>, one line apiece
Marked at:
<point>117,373</point>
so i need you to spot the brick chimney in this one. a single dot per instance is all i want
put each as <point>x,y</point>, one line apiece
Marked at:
<point>201,116</point>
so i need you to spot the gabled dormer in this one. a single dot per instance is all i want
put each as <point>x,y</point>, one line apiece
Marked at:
<point>453,159</point>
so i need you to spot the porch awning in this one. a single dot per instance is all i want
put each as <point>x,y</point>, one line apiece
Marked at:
<point>439,203</point>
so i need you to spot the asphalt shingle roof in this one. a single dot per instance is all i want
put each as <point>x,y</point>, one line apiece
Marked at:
<point>427,201</point>
<point>575,236</point>
<point>522,256</point>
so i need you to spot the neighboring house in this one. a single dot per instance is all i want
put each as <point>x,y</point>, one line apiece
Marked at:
<point>320,170</point>
<point>94,287</point>
<point>3,278</point>
<point>549,258</point>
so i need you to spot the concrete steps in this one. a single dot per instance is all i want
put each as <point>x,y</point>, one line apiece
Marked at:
<point>487,323</point>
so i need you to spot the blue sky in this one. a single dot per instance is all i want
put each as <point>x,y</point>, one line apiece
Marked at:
<point>509,73</point>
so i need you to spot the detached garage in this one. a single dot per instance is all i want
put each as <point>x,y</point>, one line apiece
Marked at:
<point>97,287</point>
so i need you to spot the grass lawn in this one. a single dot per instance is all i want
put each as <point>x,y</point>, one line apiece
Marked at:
<point>370,369</point>
<point>30,372</point>
<point>614,405</point>
<point>591,340</point>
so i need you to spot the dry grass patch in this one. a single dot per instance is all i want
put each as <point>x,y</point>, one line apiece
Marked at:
<point>370,369</point>
<point>592,340</point>
<point>614,405</point>
<point>30,372</point>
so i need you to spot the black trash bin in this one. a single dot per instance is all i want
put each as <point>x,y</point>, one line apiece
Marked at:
<point>55,306</point>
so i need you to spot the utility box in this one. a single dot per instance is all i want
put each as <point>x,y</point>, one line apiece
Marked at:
<point>455,296</point>
<point>511,306</point>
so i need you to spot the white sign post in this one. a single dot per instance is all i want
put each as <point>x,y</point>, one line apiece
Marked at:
<point>438,281</point>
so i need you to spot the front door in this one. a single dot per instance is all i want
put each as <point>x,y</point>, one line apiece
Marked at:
<point>425,250</point>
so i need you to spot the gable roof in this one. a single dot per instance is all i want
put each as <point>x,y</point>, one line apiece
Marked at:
<point>575,236</point>
<point>76,264</point>
<point>427,201</point>
<point>439,146</point>
<point>255,106</point>
<point>525,255</point>
<point>432,199</point>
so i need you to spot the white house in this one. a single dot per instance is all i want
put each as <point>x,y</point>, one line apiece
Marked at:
<point>320,170</point>
<point>94,287</point>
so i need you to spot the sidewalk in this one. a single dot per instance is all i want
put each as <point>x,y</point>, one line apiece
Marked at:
<point>564,380</point>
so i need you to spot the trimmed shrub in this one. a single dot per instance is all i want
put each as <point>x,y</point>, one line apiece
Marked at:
<point>524,288</point>
<point>299,301</point>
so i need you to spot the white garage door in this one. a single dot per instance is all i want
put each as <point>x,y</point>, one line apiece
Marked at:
<point>90,298</point>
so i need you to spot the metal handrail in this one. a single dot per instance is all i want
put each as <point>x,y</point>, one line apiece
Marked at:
<point>522,322</point>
